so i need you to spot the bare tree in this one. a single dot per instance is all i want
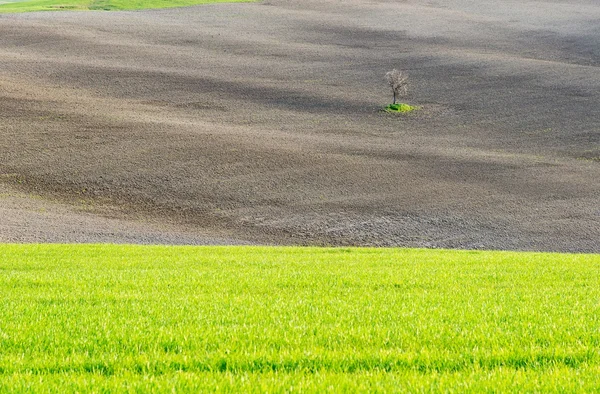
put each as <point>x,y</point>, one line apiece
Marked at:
<point>398,81</point>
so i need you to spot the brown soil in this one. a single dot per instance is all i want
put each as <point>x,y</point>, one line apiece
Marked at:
<point>261,122</point>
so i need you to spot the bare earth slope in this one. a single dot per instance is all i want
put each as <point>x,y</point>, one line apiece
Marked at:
<point>260,122</point>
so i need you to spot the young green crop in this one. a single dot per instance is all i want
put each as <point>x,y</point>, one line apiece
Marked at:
<point>11,6</point>
<point>156,319</point>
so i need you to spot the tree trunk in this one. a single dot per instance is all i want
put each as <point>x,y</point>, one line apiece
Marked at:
<point>394,97</point>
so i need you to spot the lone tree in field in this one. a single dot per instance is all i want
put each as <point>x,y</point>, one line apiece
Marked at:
<point>398,81</point>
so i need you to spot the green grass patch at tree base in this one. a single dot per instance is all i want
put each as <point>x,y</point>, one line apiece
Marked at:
<point>101,5</point>
<point>93,318</point>
<point>400,107</point>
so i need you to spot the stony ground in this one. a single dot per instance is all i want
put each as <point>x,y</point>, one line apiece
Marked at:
<point>260,123</point>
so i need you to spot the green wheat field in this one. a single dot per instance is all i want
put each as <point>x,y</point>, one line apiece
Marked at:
<point>108,318</point>
<point>13,6</point>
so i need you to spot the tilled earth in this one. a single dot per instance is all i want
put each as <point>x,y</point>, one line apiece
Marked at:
<point>260,123</point>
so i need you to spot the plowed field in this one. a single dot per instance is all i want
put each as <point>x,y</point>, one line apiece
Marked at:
<point>260,122</point>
